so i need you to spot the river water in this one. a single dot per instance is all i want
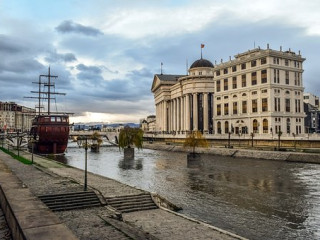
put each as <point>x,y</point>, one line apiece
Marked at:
<point>257,199</point>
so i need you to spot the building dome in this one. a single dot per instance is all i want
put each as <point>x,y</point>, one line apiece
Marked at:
<point>202,63</point>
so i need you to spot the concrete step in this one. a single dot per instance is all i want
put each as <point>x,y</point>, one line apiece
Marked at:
<point>70,201</point>
<point>132,203</point>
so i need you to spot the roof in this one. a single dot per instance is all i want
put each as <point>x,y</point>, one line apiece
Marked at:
<point>202,63</point>
<point>169,77</point>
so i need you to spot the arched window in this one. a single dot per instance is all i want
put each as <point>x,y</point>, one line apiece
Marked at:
<point>288,125</point>
<point>265,125</point>
<point>226,127</point>
<point>255,126</point>
<point>219,127</point>
<point>234,96</point>
<point>244,95</point>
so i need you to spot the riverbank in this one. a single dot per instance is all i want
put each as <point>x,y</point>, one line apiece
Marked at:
<point>241,153</point>
<point>50,177</point>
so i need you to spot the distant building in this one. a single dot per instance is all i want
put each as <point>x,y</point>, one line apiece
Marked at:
<point>311,108</point>
<point>148,125</point>
<point>14,117</point>
<point>309,98</point>
<point>260,91</point>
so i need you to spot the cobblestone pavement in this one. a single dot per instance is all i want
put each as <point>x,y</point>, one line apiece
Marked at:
<point>170,226</point>
<point>5,233</point>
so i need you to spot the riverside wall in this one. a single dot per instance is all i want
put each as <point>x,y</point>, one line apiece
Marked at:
<point>241,153</point>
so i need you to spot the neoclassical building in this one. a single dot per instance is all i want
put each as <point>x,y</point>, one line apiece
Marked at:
<point>260,91</point>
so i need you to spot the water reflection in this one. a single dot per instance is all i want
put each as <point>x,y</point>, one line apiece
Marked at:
<point>126,164</point>
<point>253,198</point>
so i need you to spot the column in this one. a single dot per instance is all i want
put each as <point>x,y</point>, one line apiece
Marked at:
<point>205,112</point>
<point>183,127</point>
<point>165,116</point>
<point>195,111</point>
<point>178,114</point>
<point>174,115</point>
<point>187,106</point>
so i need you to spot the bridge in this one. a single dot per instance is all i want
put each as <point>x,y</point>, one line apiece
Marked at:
<point>111,137</point>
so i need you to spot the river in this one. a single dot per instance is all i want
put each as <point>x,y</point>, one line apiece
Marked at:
<point>257,199</point>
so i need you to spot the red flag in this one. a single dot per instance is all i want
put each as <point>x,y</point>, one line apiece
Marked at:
<point>202,45</point>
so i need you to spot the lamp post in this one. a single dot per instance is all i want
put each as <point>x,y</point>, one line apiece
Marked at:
<point>252,135</point>
<point>83,142</point>
<point>229,134</point>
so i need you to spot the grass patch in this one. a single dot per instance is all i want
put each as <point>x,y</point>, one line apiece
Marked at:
<point>19,158</point>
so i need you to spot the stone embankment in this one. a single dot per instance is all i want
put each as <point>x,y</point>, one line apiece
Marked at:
<point>242,153</point>
<point>47,177</point>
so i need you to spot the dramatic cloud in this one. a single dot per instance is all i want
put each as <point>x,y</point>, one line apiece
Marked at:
<point>106,56</point>
<point>71,27</point>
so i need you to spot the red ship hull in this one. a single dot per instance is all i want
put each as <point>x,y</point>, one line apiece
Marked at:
<point>50,134</point>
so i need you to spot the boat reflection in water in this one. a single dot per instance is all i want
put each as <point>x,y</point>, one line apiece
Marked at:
<point>257,199</point>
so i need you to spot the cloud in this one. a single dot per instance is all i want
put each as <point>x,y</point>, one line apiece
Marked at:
<point>57,57</point>
<point>71,27</point>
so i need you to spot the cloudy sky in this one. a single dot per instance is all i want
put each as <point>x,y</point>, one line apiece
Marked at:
<point>106,52</point>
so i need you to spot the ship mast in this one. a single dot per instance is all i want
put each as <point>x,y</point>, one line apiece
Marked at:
<point>47,93</point>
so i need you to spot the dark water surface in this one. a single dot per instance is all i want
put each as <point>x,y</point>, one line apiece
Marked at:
<point>257,199</point>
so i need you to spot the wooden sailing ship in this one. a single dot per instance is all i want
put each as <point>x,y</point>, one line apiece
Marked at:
<point>50,130</point>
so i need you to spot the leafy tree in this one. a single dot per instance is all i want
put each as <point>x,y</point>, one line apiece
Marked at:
<point>195,139</point>
<point>96,136</point>
<point>130,136</point>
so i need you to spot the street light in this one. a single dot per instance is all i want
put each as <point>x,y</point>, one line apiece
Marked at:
<point>83,142</point>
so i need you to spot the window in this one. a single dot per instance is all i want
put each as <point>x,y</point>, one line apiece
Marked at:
<point>234,96</point>
<point>243,66</point>
<point>264,90</point>
<point>264,102</point>
<point>234,68</point>
<point>226,109</point>
<point>234,82</point>
<point>225,97</point>
<point>218,86</point>
<point>254,78</point>
<point>297,105</point>
<point>287,105</point>
<point>218,73</point>
<point>244,94</point>
<point>265,125</point>
<point>226,127</point>
<point>200,73</point>
<point>276,61</point>
<point>225,71</point>
<point>255,126</point>
<point>244,106</point>
<point>243,80</point>
<point>219,127</point>
<point>254,93</point>
<point>253,63</point>
<point>235,107</point>
<point>254,105</point>
<point>218,98</point>
<point>263,61</point>
<point>264,76</point>
<point>288,125</point>
<point>219,110</point>
<point>277,104</point>
<point>286,62</point>
<point>225,84</point>
<point>276,77</point>
<point>287,77</point>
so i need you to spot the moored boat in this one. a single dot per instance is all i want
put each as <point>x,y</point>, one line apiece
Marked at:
<point>49,131</point>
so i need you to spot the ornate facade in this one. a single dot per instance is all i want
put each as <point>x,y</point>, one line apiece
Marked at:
<point>260,91</point>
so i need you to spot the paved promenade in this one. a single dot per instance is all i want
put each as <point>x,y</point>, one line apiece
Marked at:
<point>50,177</point>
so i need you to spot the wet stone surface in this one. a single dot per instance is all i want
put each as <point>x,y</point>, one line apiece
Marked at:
<point>5,233</point>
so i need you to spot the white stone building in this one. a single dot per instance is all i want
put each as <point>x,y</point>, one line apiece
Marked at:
<point>260,91</point>
<point>14,117</point>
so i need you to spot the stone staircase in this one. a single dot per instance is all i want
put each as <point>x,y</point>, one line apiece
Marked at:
<point>71,201</point>
<point>132,203</point>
